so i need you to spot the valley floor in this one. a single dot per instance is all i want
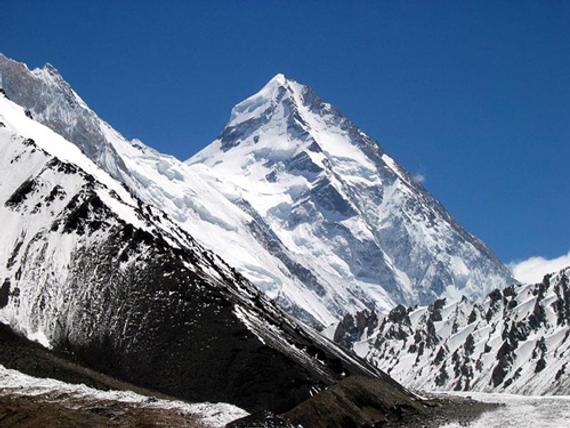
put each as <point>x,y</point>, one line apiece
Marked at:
<point>31,396</point>
<point>27,401</point>
<point>518,411</point>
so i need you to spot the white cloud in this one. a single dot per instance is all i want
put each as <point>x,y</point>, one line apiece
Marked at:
<point>420,178</point>
<point>533,269</point>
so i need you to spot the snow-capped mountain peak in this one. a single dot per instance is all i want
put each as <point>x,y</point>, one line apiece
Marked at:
<point>344,209</point>
<point>288,109</point>
<point>256,105</point>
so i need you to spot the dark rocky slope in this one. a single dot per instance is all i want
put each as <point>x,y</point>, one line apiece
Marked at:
<point>359,402</point>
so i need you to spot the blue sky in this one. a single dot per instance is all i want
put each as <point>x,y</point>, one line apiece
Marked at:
<point>474,96</point>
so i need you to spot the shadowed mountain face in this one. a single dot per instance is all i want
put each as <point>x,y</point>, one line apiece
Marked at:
<point>293,195</point>
<point>517,340</point>
<point>90,270</point>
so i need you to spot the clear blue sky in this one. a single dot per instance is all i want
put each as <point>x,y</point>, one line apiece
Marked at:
<point>473,95</point>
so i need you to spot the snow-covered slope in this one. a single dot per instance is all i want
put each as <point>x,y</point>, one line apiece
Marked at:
<point>89,269</point>
<point>517,340</point>
<point>291,194</point>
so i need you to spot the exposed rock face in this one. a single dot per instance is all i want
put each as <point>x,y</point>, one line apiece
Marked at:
<point>88,269</point>
<point>517,341</point>
<point>295,196</point>
<point>351,327</point>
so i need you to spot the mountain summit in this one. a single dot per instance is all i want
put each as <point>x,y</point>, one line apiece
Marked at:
<point>292,194</point>
<point>369,233</point>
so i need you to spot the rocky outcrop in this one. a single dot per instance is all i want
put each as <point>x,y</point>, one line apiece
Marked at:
<point>517,341</point>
